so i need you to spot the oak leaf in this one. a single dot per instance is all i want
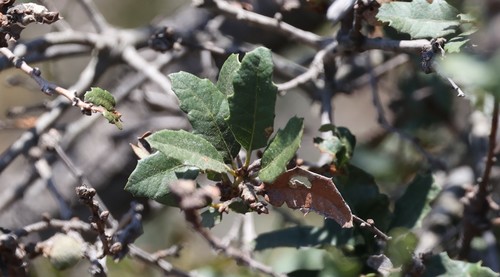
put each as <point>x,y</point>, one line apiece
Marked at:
<point>307,191</point>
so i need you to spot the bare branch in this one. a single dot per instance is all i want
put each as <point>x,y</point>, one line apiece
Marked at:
<point>262,21</point>
<point>369,224</point>
<point>475,221</point>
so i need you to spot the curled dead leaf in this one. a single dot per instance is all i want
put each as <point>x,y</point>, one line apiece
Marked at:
<point>307,191</point>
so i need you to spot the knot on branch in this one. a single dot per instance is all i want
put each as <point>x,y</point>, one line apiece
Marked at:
<point>428,53</point>
<point>163,40</point>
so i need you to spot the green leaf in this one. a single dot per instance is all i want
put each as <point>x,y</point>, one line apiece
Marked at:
<point>296,237</point>
<point>100,97</point>
<point>414,204</point>
<point>420,18</point>
<point>401,248</point>
<point>336,263</point>
<point>442,266</point>
<point>210,217</point>
<point>281,150</point>
<point>252,104</point>
<point>189,148</point>
<point>363,196</point>
<point>469,71</point>
<point>206,108</point>
<point>454,44</point>
<point>153,175</point>
<point>340,145</point>
<point>114,118</point>
<point>289,260</point>
<point>227,74</point>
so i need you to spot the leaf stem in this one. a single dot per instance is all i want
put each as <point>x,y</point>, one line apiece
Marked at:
<point>247,159</point>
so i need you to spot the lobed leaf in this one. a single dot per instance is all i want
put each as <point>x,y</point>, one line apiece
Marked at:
<point>153,174</point>
<point>114,118</point>
<point>421,19</point>
<point>206,108</point>
<point>307,191</point>
<point>281,150</point>
<point>189,148</point>
<point>252,104</point>
<point>100,97</point>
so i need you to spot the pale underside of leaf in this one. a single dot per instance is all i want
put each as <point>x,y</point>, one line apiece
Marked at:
<point>189,148</point>
<point>308,191</point>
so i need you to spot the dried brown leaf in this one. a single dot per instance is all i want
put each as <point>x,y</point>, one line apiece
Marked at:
<point>307,191</point>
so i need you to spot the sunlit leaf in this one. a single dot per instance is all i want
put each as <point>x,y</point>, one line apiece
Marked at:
<point>227,73</point>
<point>281,150</point>
<point>421,19</point>
<point>206,108</point>
<point>100,97</point>
<point>340,145</point>
<point>252,104</point>
<point>189,148</point>
<point>153,174</point>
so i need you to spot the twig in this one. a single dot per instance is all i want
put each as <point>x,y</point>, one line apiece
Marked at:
<point>454,85</point>
<point>95,15</point>
<point>98,218</point>
<point>371,227</point>
<point>16,191</point>
<point>73,224</point>
<point>190,200</point>
<point>387,126</point>
<point>132,57</point>
<point>44,170</point>
<point>47,87</point>
<point>394,45</point>
<point>53,143</point>
<point>193,217</point>
<point>314,70</point>
<point>130,230</point>
<point>475,221</point>
<point>262,21</point>
<point>163,265</point>
<point>29,138</point>
<point>377,71</point>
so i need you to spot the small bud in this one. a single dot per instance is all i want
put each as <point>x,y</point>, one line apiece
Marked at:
<point>104,215</point>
